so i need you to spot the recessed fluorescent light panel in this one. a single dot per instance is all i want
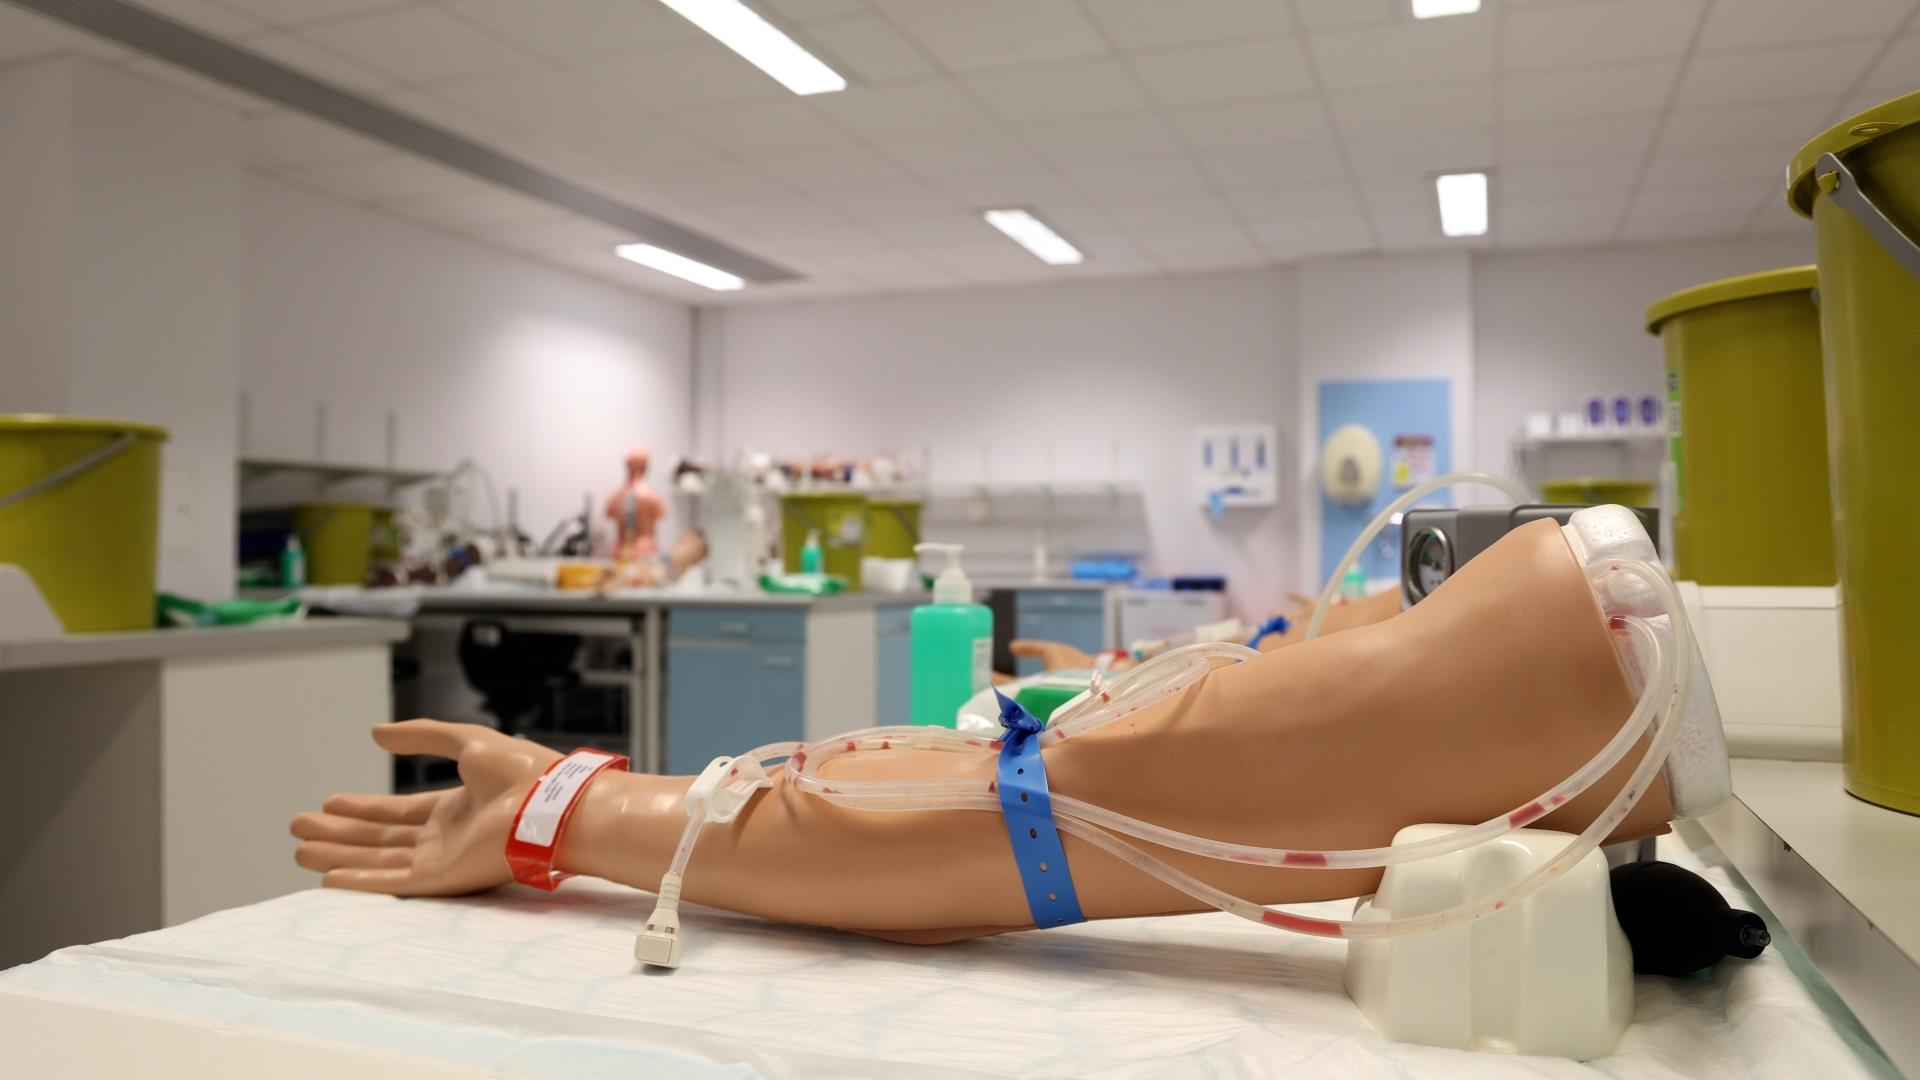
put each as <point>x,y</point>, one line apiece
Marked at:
<point>667,262</point>
<point>1463,203</point>
<point>1434,9</point>
<point>737,27</point>
<point>1034,235</point>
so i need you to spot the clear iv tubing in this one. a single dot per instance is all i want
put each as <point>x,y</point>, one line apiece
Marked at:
<point>1664,691</point>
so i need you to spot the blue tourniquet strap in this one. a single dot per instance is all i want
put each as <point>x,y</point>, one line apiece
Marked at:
<point>1028,810</point>
<point>1279,624</point>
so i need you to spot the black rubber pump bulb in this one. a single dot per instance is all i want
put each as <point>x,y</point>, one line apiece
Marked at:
<point>1678,923</point>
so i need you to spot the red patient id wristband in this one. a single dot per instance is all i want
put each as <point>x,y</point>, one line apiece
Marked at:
<point>544,813</point>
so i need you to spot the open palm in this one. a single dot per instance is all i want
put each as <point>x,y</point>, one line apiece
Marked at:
<point>434,843</point>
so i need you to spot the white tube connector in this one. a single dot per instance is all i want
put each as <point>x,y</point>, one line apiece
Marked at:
<point>659,942</point>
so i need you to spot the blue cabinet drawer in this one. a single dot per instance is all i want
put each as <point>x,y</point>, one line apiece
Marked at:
<point>1084,630</point>
<point>727,697</point>
<point>1038,600</point>
<point>897,619</point>
<point>755,623</point>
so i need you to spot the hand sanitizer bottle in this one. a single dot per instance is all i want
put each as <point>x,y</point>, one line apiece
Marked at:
<point>952,644</point>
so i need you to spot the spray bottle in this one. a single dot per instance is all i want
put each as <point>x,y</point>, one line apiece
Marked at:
<point>952,643</point>
<point>812,559</point>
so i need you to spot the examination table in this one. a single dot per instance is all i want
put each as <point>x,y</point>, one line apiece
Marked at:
<point>519,984</point>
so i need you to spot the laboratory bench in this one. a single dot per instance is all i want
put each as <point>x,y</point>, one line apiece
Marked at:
<point>166,764</point>
<point>670,679</point>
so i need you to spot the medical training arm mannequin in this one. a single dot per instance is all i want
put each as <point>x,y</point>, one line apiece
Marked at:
<point>1475,701</point>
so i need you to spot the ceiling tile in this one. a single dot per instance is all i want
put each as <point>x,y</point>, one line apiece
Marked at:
<point>1302,163</point>
<point>1773,74</point>
<point>192,82</point>
<point>992,33</point>
<point>982,151</point>
<point>704,72</point>
<point>420,44</point>
<point>898,201</point>
<point>1137,24</point>
<point>1326,14</point>
<point>806,10</point>
<point>1717,199</point>
<point>1403,109</point>
<point>1398,194</point>
<point>1547,37</point>
<point>1753,24</point>
<point>1305,239</point>
<point>1167,174</point>
<point>958,229</point>
<point>23,35</point>
<point>1274,203</point>
<point>908,108</point>
<point>1162,240</point>
<point>816,241</point>
<point>1563,223</point>
<point>208,15</point>
<point>1780,126</point>
<point>779,212</point>
<point>1406,52</point>
<point>1005,188</point>
<point>1609,139</point>
<point>1076,88</point>
<point>1188,209</point>
<point>1730,167</point>
<point>533,100</point>
<point>1241,124</point>
<point>716,181</point>
<point>1117,138</point>
<point>1248,69</point>
<point>895,269</point>
<point>388,176</point>
<point>291,139</point>
<point>1899,70</point>
<point>474,204</point>
<point>318,61</point>
<point>1557,183</point>
<point>1641,228</point>
<point>1244,257</point>
<point>759,127</point>
<point>809,169</point>
<point>1578,93</point>
<point>1416,230</point>
<point>574,29</point>
<point>867,48</point>
<point>296,12</point>
<point>1421,154</point>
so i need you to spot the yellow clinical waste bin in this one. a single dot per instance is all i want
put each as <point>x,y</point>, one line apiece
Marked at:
<point>338,540</point>
<point>1860,183</point>
<point>1747,427</point>
<point>893,527</point>
<point>80,513</point>
<point>840,519</point>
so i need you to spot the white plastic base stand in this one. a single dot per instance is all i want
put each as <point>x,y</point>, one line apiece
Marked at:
<point>1551,975</point>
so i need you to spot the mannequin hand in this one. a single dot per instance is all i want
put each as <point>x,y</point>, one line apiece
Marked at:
<point>435,843</point>
<point>1053,655</point>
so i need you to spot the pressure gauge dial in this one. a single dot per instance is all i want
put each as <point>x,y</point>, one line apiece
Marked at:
<point>1430,561</point>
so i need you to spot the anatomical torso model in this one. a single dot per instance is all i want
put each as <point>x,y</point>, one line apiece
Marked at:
<point>636,510</point>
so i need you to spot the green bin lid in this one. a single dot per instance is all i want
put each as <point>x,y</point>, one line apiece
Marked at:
<point>1745,287</point>
<point>1842,137</point>
<point>79,425</point>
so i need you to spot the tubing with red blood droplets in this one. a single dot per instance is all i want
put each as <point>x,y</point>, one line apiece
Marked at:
<point>1177,671</point>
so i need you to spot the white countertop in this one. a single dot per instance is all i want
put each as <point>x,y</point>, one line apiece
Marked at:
<point>135,646</point>
<point>1842,876</point>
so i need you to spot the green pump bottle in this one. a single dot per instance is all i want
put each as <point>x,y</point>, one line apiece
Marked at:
<point>952,643</point>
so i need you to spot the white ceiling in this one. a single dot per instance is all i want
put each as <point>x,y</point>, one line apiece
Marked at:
<point>1158,135</point>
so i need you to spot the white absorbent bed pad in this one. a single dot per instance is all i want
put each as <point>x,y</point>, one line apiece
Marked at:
<point>518,984</point>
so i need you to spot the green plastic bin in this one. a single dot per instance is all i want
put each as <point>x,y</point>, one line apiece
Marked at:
<point>338,540</point>
<point>1747,427</point>
<point>80,513</point>
<point>893,527</point>
<point>1869,259</point>
<point>1593,490</point>
<point>840,517</point>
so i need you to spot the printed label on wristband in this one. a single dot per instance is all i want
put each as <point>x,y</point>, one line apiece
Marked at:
<point>540,820</point>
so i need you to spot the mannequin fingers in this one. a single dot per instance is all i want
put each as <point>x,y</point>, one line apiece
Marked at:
<point>1025,647</point>
<point>424,737</point>
<point>353,830</point>
<point>391,882</point>
<point>390,809</point>
<point>324,855</point>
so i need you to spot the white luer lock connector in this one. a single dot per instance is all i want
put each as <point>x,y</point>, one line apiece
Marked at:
<point>718,795</point>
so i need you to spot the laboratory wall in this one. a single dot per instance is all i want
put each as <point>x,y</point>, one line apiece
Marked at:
<point>1072,385</point>
<point>541,375</point>
<point>1551,326</point>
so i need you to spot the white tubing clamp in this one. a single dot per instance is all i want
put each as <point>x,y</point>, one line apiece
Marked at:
<point>723,788</point>
<point>1552,974</point>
